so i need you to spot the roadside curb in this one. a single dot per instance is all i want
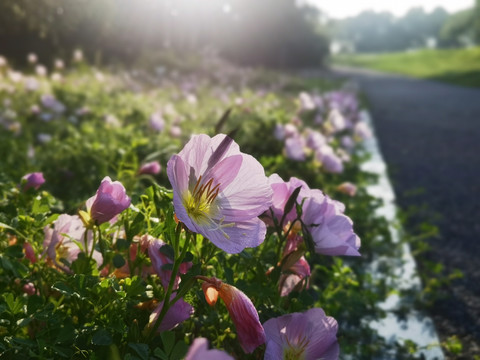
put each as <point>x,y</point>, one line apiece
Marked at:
<point>416,326</point>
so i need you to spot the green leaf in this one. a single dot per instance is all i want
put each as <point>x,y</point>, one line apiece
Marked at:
<point>291,201</point>
<point>140,349</point>
<point>15,251</point>
<point>118,261</point>
<point>160,354</point>
<point>167,267</point>
<point>102,338</point>
<point>63,288</point>
<point>168,340</point>
<point>188,257</point>
<point>5,226</point>
<point>168,251</point>
<point>179,351</point>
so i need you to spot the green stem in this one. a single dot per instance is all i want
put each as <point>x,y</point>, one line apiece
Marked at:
<point>167,303</point>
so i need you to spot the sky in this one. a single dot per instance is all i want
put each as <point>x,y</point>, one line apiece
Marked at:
<point>344,8</point>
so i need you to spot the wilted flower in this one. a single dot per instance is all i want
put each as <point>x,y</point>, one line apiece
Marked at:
<point>302,336</point>
<point>244,315</point>
<point>199,351</point>
<point>294,278</point>
<point>33,180</point>
<point>152,168</point>
<point>176,314</point>
<point>347,188</point>
<point>219,192</point>
<point>109,201</point>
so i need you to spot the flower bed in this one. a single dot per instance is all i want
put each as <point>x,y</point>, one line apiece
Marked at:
<point>126,212</point>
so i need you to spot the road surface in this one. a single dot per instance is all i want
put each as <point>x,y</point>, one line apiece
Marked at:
<point>429,134</point>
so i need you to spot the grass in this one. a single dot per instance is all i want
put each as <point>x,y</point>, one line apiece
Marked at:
<point>456,66</point>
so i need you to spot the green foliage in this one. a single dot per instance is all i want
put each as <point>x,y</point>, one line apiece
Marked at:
<point>456,66</point>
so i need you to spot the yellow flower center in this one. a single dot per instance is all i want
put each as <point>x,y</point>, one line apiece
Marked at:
<point>199,203</point>
<point>295,351</point>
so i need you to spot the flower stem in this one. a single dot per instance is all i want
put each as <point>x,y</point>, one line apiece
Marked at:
<point>167,303</point>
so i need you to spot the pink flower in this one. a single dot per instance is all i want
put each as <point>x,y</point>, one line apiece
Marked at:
<point>32,58</point>
<point>159,259</point>
<point>347,188</point>
<point>242,312</point>
<point>78,55</point>
<point>330,161</point>
<point>331,230</point>
<point>150,168</point>
<point>323,218</point>
<point>199,351</point>
<point>295,148</point>
<point>41,70</point>
<point>33,180</point>
<point>157,122</point>
<point>362,130</point>
<point>295,277</point>
<point>306,101</point>
<point>336,120</point>
<point>29,289</point>
<point>219,192</point>
<point>175,131</point>
<point>62,242</point>
<point>110,200</point>
<point>304,336</point>
<point>29,252</point>
<point>176,314</point>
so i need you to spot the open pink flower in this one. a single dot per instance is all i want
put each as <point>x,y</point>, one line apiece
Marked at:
<point>331,230</point>
<point>303,336</point>
<point>241,309</point>
<point>33,180</point>
<point>199,351</point>
<point>110,200</point>
<point>61,242</point>
<point>219,192</point>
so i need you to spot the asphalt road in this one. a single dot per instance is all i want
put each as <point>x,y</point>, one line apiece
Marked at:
<point>429,134</point>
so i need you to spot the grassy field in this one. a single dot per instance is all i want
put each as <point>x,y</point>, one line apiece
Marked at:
<point>456,66</point>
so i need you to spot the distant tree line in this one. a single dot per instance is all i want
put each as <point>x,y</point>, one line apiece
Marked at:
<point>268,32</point>
<point>378,32</point>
